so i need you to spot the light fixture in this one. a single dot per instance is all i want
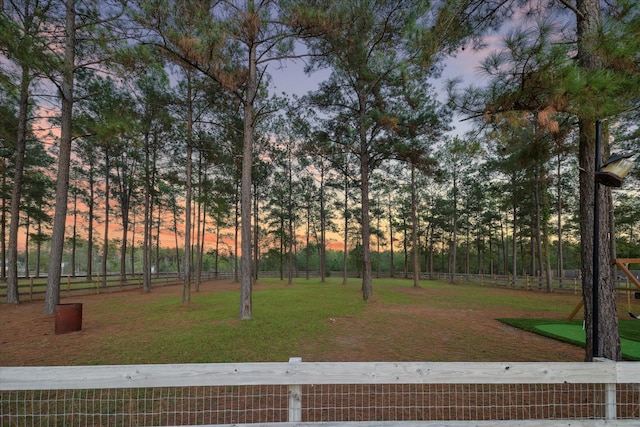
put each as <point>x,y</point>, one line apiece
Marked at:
<point>613,171</point>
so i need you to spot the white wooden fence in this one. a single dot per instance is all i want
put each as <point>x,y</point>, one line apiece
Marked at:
<point>519,394</point>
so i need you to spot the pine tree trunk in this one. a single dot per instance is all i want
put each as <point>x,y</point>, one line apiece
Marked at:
<point>38,250</point>
<point>13,296</point>
<point>308,239</point>
<point>3,226</point>
<point>608,342</point>
<point>323,248</point>
<point>236,231</point>
<point>175,237</point>
<point>186,285</point>
<point>559,226</point>
<point>514,251</point>
<point>90,204</point>
<point>246,279</point>
<point>201,250</point>
<point>367,284</point>
<point>414,230</point>
<point>290,220</point>
<point>146,238</point>
<point>539,251</point>
<point>125,201</point>
<point>107,212</point>
<point>346,223</point>
<point>52,295</point>
<point>256,233</point>
<point>74,235</point>
<point>454,237</point>
<point>392,272</point>
<point>546,251</point>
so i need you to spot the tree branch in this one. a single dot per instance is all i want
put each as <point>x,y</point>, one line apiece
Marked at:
<point>572,8</point>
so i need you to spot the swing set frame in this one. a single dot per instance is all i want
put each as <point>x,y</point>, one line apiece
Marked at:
<point>622,264</point>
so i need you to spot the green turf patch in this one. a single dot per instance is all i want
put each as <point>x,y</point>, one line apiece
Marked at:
<point>572,332</point>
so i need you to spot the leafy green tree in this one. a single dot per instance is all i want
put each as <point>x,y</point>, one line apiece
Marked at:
<point>378,213</point>
<point>78,41</point>
<point>386,195</point>
<point>316,157</point>
<point>590,75</point>
<point>458,155</point>
<point>563,192</point>
<point>262,176</point>
<point>155,125</point>
<point>370,47</point>
<point>219,199</point>
<point>37,195</point>
<point>232,44</point>
<point>86,172</point>
<point>67,68</point>
<point>286,189</point>
<point>277,217</point>
<point>214,188</point>
<point>168,202</point>
<point>8,133</point>
<point>103,122</point>
<point>23,30</point>
<point>309,204</point>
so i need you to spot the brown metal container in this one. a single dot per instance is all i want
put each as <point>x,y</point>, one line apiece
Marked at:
<point>68,318</point>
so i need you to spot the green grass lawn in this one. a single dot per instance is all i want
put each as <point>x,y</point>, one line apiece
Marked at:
<point>281,315</point>
<point>572,331</point>
<point>437,322</point>
<point>285,315</point>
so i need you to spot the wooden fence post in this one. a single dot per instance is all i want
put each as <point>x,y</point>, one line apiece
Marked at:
<point>295,397</point>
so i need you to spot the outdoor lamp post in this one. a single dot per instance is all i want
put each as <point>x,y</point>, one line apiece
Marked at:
<point>609,174</point>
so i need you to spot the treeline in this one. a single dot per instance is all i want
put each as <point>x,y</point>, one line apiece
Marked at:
<point>306,261</point>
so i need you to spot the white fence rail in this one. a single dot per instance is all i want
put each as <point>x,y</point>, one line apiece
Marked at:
<point>297,393</point>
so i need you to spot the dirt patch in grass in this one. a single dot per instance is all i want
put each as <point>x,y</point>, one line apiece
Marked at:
<point>436,325</point>
<point>424,332</point>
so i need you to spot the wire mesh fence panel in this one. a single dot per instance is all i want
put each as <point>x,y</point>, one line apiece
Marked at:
<point>452,402</point>
<point>178,406</point>
<point>628,401</point>
<point>163,406</point>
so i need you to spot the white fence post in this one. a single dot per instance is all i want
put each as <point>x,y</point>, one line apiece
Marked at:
<point>295,397</point>
<point>609,394</point>
<point>610,402</point>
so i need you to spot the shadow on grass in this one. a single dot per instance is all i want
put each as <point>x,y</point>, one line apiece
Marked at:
<point>572,332</point>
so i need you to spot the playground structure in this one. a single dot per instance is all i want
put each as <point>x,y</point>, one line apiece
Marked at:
<point>622,264</point>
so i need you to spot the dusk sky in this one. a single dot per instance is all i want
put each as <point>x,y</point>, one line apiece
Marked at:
<point>291,79</point>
